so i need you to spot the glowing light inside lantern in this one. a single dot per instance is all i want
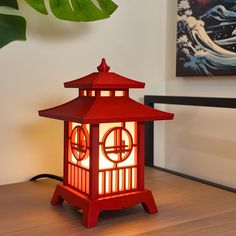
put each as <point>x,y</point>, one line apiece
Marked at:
<point>105,93</point>
<point>84,162</point>
<point>117,157</point>
<point>117,175</point>
<point>119,93</point>
<point>78,170</point>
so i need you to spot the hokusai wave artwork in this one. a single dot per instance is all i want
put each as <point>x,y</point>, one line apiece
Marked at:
<point>206,38</point>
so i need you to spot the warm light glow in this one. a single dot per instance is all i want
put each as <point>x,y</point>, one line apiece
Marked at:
<point>78,147</point>
<point>73,159</point>
<point>91,93</point>
<point>131,161</point>
<point>84,162</point>
<point>121,180</point>
<point>108,181</point>
<point>116,175</point>
<point>83,93</point>
<point>105,94</point>
<point>103,162</point>
<point>117,157</point>
<point>127,179</point>
<point>134,178</point>
<point>115,180</point>
<point>119,93</point>
<point>100,186</point>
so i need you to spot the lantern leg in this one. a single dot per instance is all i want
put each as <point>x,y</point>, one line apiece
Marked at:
<point>57,198</point>
<point>90,216</point>
<point>149,204</point>
<point>90,209</point>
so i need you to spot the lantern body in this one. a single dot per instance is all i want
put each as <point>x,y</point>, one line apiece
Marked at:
<point>104,145</point>
<point>117,157</point>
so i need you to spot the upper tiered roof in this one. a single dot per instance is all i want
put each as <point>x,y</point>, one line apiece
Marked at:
<point>103,79</point>
<point>93,108</point>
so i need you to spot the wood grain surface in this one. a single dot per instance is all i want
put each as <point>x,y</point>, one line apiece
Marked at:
<point>185,208</point>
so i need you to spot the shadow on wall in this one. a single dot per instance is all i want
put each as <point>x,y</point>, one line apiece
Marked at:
<point>48,27</point>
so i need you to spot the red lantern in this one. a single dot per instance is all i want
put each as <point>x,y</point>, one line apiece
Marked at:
<point>104,145</point>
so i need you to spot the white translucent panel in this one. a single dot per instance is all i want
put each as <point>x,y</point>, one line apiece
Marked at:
<point>121,180</point>
<point>110,140</point>
<point>130,161</point>
<point>105,94</point>
<point>103,128</point>
<point>104,163</point>
<point>73,159</point>
<point>76,137</point>
<point>134,178</point>
<point>85,163</point>
<point>100,184</point>
<point>108,179</point>
<point>88,127</point>
<point>127,179</point>
<point>80,178</point>
<point>114,181</point>
<point>130,126</point>
<point>75,124</point>
<point>119,93</point>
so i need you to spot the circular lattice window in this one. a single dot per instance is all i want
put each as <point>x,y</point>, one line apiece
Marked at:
<point>79,143</point>
<point>117,144</point>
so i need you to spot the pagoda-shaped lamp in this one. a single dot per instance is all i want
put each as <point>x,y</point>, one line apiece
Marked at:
<point>104,145</point>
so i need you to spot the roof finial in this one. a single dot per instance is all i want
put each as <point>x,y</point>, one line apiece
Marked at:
<point>103,67</point>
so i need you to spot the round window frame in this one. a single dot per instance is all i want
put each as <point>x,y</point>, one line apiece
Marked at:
<point>126,156</point>
<point>73,150</point>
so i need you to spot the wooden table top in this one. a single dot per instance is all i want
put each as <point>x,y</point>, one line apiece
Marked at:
<point>185,208</point>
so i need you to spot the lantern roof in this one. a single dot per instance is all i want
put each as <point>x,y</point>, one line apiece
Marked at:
<point>103,79</point>
<point>94,109</point>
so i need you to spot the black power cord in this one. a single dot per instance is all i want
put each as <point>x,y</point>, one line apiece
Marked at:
<point>50,176</point>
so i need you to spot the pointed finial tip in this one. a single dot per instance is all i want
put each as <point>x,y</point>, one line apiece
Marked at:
<point>103,67</point>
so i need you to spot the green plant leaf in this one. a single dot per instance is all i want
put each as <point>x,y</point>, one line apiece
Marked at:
<point>107,5</point>
<point>9,3</point>
<point>76,10</point>
<point>38,5</point>
<point>11,28</point>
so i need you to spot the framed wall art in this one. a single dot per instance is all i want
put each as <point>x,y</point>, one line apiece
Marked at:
<point>206,38</point>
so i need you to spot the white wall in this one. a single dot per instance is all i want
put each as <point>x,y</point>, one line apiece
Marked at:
<point>33,72</point>
<point>200,141</point>
<point>139,42</point>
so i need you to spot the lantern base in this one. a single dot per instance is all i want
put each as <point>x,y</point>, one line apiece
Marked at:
<point>92,208</point>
